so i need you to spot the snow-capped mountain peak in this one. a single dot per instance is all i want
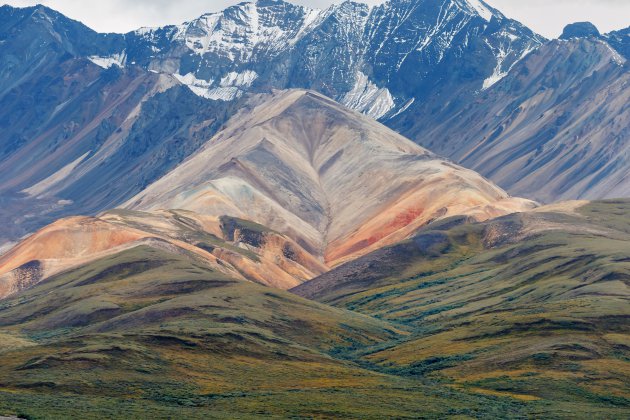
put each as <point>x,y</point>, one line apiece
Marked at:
<point>376,60</point>
<point>238,31</point>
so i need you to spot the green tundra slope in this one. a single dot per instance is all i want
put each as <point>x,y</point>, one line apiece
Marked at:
<point>534,306</point>
<point>523,316</point>
<point>154,332</point>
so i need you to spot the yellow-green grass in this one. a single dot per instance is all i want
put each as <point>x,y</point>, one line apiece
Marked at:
<point>537,314</point>
<point>149,333</point>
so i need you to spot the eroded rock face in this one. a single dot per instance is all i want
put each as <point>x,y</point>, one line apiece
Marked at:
<point>28,275</point>
<point>88,120</point>
<point>247,251</point>
<point>78,107</point>
<point>294,185</point>
<point>620,41</point>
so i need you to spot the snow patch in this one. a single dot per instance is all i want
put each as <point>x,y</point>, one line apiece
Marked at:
<point>404,108</point>
<point>191,80</point>
<point>312,18</point>
<point>481,9</point>
<point>367,98</point>
<point>499,73</point>
<point>616,57</point>
<point>108,62</point>
<point>244,79</point>
<point>204,89</point>
<point>222,94</point>
<point>237,32</point>
<point>496,76</point>
<point>233,33</point>
<point>145,30</point>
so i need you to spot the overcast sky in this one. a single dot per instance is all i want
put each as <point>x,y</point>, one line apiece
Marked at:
<point>547,17</point>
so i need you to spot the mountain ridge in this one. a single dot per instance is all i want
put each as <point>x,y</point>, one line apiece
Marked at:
<point>553,129</point>
<point>315,160</point>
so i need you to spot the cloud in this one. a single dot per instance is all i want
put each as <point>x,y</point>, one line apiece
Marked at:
<point>547,17</point>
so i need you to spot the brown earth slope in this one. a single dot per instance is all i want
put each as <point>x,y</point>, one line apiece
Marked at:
<point>336,181</point>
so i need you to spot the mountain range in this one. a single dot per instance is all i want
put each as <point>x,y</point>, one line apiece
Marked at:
<point>411,209</point>
<point>426,68</point>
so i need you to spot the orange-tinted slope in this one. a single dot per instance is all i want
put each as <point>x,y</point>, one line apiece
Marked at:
<point>336,181</point>
<point>246,251</point>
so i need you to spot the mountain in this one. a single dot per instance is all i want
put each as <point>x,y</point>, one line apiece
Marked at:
<point>336,181</point>
<point>217,162</point>
<point>620,41</point>
<point>98,138</point>
<point>238,248</point>
<point>63,113</point>
<point>395,62</point>
<point>527,305</point>
<point>35,40</point>
<point>282,193</point>
<point>580,30</point>
<point>554,128</point>
<point>81,139</point>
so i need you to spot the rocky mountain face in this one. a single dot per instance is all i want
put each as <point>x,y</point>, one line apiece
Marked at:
<point>374,60</point>
<point>336,181</point>
<point>93,139</point>
<point>82,111</point>
<point>554,128</point>
<point>424,67</point>
<point>78,138</point>
<point>580,30</point>
<point>620,41</point>
<point>36,40</point>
